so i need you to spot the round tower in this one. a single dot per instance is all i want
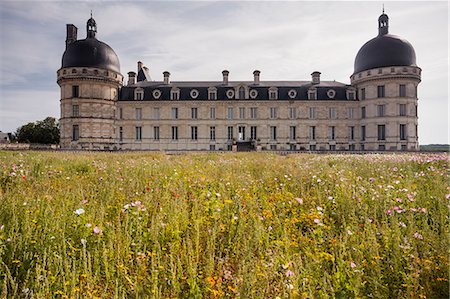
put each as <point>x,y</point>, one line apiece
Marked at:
<point>90,80</point>
<point>386,77</point>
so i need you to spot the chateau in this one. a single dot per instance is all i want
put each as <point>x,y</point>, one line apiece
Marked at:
<point>376,111</point>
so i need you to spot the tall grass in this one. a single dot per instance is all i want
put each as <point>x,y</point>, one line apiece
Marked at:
<point>146,225</point>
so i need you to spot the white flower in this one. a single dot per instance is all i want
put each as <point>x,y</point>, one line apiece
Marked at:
<point>88,225</point>
<point>349,232</point>
<point>83,241</point>
<point>79,211</point>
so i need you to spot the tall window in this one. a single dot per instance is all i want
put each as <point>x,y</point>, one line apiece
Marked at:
<point>312,112</point>
<point>332,133</point>
<point>292,133</point>
<point>212,112</point>
<point>351,95</point>
<point>230,112</point>
<point>156,133</point>
<point>363,112</point>
<point>156,113</point>
<point>380,91</point>
<point>241,93</point>
<point>402,132</point>
<point>253,135</point>
<point>174,94</point>
<point>292,113</point>
<point>75,110</point>
<point>350,112</point>
<point>138,133</point>
<point>174,133</point>
<point>381,109</point>
<point>120,113</point>
<point>273,112</point>
<point>194,113</point>
<point>138,113</point>
<point>312,95</point>
<point>332,113</point>
<point>351,133</point>
<point>194,133</point>
<point>230,133</point>
<point>75,132</point>
<point>312,133</point>
<point>241,112</point>
<point>363,93</point>
<point>273,133</point>
<point>363,133</point>
<point>75,91</point>
<point>120,133</point>
<point>402,90</point>
<point>381,132</point>
<point>253,112</point>
<point>402,109</point>
<point>212,133</point>
<point>175,113</point>
<point>273,94</point>
<point>212,95</point>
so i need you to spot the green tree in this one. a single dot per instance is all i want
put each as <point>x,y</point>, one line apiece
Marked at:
<point>45,132</point>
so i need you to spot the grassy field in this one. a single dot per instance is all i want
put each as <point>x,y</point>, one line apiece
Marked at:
<point>146,225</point>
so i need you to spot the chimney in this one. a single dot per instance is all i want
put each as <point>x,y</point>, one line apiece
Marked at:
<point>131,78</point>
<point>256,76</point>
<point>71,34</point>
<point>140,64</point>
<point>166,75</point>
<point>315,77</point>
<point>225,74</point>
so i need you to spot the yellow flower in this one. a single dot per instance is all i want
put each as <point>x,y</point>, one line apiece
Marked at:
<point>211,280</point>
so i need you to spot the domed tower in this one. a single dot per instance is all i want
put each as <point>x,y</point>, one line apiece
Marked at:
<point>90,80</point>
<point>386,77</point>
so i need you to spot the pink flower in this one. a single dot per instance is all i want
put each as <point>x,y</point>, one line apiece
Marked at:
<point>388,212</point>
<point>353,265</point>
<point>423,210</point>
<point>299,200</point>
<point>399,200</point>
<point>289,273</point>
<point>418,236</point>
<point>97,230</point>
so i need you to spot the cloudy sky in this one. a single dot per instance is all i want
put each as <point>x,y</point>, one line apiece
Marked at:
<point>196,40</point>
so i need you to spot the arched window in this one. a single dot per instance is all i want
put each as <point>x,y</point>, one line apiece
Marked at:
<point>241,93</point>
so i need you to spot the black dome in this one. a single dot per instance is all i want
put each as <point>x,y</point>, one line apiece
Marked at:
<point>90,52</point>
<point>385,50</point>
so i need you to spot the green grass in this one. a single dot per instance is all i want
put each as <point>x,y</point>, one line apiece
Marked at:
<point>146,225</point>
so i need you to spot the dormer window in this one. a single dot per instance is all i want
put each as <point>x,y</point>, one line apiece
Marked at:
<point>292,93</point>
<point>175,94</point>
<point>241,93</point>
<point>230,94</point>
<point>350,95</point>
<point>331,93</point>
<point>253,93</point>
<point>212,93</point>
<point>273,93</point>
<point>194,93</point>
<point>138,94</point>
<point>312,94</point>
<point>156,94</point>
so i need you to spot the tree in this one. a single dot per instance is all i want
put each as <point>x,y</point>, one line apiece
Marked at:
<point>44,132</point>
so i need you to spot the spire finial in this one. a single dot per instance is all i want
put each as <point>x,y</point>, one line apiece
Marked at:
<point>91,11</point>
<point>383,9</point>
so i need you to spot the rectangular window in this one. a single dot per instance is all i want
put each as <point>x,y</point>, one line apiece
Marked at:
<point>350,112</point>
<point>120,113</point>
<point>174,95</point>
<point>273,112</point>
<point>332,147</point>
<point>272,95</point>
<point>351,133</point>
<point>139,95</point>
<point>381,110</point>
<point>381,132</point>
<point>212,133</point>
<point>380,91</point>
<point>212,113</point>
<point>363,112</point>
<point>332,113</point>
<point>175,113</point>
<point>212,95</point>
<point>75,110</point>
<point>402,90</point>
<point>75,132</point>
<point>292,147</point>
<point>292,112</point>
<point>415,111</point>
<point>253,112</point>
<point>381,147</point>
<point>402,109</point>
<point>292,133</point>
<point>230,133</point>
<point>241,112</point>
<point>312,95</point>
<point>194,133</point>
<point>120,133</point>
<point>241,133</point>
<point>312,112</point>
<point>156,113</point>
<point>138,133</point>
<point>230,112</point>
<point>212,147</point>
<point>273,133</point>
<point>363,93</point>
<point>75,91</point>
<point>351,95</point>
<point>194,113</point>
<point>253,135</point>
<point>174,133</point>
<point>156,133</point>
<point>402,132</point>
<point>312,133</point>
<point>351,147</point>
<point>138,113</point>
<point>312,147</point>
<point>332,133</point>
<point>363,133</point>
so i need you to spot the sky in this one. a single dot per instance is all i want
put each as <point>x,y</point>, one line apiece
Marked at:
<point>196,40</point>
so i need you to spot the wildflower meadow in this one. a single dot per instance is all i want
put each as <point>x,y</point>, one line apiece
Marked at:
<point>250,225</point>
